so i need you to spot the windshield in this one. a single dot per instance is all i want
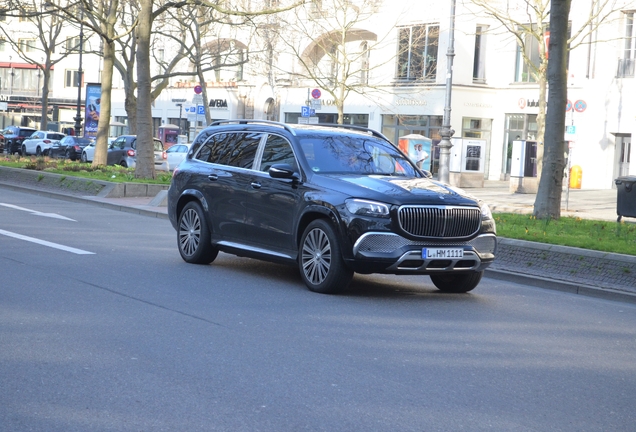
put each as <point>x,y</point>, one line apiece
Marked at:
<point>355,155</point>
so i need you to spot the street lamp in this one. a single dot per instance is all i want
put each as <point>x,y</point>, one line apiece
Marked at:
<point>446,132</point>
<point>78,115</point>
<point>180,105</point>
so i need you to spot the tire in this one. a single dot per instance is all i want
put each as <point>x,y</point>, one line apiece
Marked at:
<point>457,282</point>
<point>67,155</point>
<point>193,236</point>
<point>83,158</point>
<point>124,164</point>
<point>38,151</point>
<point>320,259</point>
<point>24,153</point>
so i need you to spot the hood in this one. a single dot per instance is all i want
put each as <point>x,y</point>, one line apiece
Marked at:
<point>396,190</point>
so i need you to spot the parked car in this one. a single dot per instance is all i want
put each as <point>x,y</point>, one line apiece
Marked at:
<point>123,151</point>
<point>39,142</point>
<point>176,153</point>
<point>13,137</point>
<point>69,147</point>
<point>331,200</point>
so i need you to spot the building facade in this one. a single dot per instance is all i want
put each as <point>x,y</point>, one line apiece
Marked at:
<point>399,87</point>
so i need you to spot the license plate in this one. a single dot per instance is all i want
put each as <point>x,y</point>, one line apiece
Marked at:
<point>442,253</point>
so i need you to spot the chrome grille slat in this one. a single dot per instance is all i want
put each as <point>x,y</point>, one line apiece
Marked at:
<point>439,221</point>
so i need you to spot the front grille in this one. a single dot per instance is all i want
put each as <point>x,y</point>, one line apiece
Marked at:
<point>439,221</point>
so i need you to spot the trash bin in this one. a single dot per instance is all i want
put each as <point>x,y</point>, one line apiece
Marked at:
<point>576,177</point>
<point>626,196</point>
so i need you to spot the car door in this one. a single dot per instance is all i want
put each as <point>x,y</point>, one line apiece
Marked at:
<point>272,204</point>
<point>176,154</point>
<point>116,151</point>
<point>225,179</point>
<point>30,143</point>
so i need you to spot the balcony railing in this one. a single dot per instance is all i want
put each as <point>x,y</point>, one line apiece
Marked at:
<point>625,68</point>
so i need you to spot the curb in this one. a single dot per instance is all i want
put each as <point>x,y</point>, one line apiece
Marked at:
<point>556,285</point>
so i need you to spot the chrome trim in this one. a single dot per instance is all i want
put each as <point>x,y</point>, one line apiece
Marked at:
<point>438,221</point>
<point>253,249</point>
<point>425,266</point>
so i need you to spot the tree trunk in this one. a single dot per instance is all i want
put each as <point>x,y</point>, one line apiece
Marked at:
<point>547,204</point>
<point>145,151</point>
<point>46,78</point>
<point>109,12</point>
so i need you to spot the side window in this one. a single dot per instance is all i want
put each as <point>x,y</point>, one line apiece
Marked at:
<point>277,150</point>
<point>243,149</point>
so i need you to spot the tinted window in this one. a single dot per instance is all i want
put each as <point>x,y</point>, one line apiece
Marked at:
<point>25,133</point>
<point>55,136</point>
<point>234,149</point>
<point>277,150</point>
<point>356,155</point>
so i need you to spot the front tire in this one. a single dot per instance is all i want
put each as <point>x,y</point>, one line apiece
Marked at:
<point>24,153</point>
<point>457,282</point>
<point>193,236</point>
<point>320,259</point>
<point>84,158</point>
<point>67,155</point>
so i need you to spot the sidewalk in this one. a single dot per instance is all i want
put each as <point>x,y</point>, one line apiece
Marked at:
<point>574,270</point>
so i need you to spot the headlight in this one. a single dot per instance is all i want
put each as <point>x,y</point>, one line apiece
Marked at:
<point>367,208</point>
<point>485,211</point>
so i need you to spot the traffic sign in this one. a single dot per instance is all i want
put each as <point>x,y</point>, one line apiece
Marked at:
<point>200,110</point>
<point>568,106</point>
<point>580,105</point>
<point>305,111</point>
<point>315,93</point>
<point>570,130</point>
<point>198,89</point>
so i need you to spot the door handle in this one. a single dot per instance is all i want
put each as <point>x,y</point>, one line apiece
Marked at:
<point>213,177</point>
<point>256,185</point>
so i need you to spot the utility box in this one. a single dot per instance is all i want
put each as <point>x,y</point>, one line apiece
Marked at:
<point>626,196</point>
<point>523,167</point>
<point>467,161</point>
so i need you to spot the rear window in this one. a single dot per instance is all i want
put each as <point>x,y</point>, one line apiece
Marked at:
<point>25,133</point>
<point>56,136</point>
<point>158,145</point>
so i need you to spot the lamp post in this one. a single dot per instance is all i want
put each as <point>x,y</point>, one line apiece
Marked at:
<point>78,115</point>
<point>446,132</point>
<point>180,105</point>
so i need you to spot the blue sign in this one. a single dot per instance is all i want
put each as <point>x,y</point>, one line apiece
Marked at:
<point>305,111</point>
<point>200,109</point>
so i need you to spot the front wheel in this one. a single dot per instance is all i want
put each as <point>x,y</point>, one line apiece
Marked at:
<point>321,265</point>
<point>24,153</point>
<point>67,155</point>
<point>456,282</point>
<point>83,157</point>
<point>193,236</point>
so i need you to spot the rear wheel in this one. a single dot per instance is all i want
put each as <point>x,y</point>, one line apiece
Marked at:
<point>321,265</point>
<point>24,153</point>
<point>193,236</point>
<point>38,151</point>
<point>124,164</point>
<point>67,155</point>
<point>457,282</point>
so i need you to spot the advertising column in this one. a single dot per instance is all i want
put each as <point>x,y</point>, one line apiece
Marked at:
<point>93,101</point>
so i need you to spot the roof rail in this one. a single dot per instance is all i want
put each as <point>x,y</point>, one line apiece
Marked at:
<point>373,132</point>
<point>251,121</point>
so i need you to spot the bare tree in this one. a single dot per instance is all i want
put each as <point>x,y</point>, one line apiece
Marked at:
<point>529,22</point>
<point>337,57</point>
<point>551,181</point>
<point>40,44</point>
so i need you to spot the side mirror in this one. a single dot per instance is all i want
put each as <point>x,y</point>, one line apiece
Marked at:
<point>427,174</point>
<point>284,171</point>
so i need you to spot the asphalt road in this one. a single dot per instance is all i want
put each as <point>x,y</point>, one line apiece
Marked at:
<point>105,328</point>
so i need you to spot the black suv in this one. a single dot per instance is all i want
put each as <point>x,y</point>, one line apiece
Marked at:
<point>13,137</point>
<point>333,200</point>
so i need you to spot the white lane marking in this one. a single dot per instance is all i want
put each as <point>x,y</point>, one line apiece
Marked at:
<point>37,213</point>
<point>46,243</point>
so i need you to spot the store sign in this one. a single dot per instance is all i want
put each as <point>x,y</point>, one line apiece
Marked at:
<point>218,103</point>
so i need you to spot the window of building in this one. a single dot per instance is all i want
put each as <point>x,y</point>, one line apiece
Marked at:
<point>396,126</point>
<point>626,63</point>
<point>73,44</point>
<point>71,78</point>
<point>479,61</point>
<point>527,53</point>
<point>26,45</point>
<point>2,45</point>
<point>417,52</point>
<point>3,15</point>
<point>364,63</point>
<point>479,128</point>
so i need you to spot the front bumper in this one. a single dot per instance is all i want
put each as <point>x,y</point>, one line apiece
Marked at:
<point>391,253</point>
